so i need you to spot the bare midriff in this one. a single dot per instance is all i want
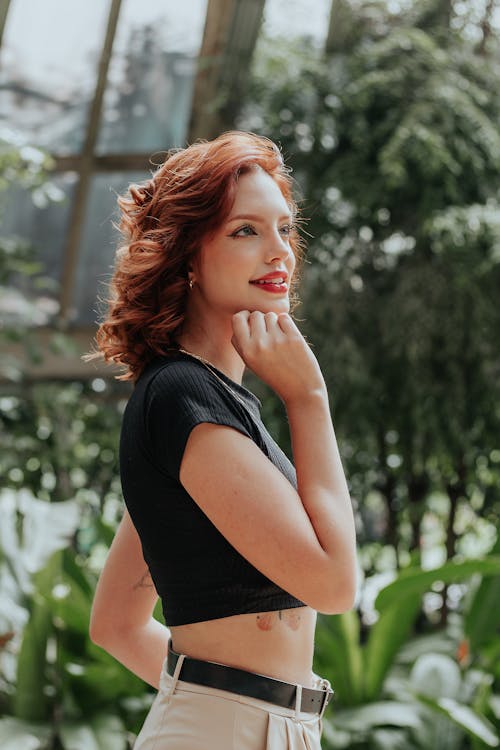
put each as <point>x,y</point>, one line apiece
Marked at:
<point>278,644</point>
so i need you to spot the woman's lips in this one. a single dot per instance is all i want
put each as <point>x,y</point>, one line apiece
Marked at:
<point>275,286</point>
<point>274,282</point>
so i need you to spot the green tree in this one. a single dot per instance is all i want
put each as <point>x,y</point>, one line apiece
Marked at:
<point>393,133</point>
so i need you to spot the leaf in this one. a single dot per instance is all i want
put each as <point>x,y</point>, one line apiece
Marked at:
<point>68,601</point>
<point>76,573</point>
<point>16,734</point>
<point>338,651</point>
<point>110,732</point>
<point>482,619</point>
<point>390,739</point>
<point>102,733</point>
<point>439,643</point>
<point>495,705</point>
<point>417,581</point>
<point>436,675</point>
<point>47,527</point>
<point>30,701</point>
<point>78,737</point>
<point>466,718</point>
<point>379,714</point>
<point>386,637</point>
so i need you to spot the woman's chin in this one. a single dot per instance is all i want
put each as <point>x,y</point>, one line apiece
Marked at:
<point>277,306</point>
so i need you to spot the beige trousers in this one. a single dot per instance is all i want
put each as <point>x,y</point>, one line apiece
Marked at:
<point>185,716</point>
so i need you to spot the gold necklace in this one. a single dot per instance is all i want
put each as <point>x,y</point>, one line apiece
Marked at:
<point>211,368</point>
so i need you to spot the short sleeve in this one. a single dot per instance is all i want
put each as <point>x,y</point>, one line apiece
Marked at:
<point>179,397</point>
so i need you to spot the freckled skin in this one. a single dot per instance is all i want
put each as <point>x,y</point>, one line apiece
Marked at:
<point>266,620</point>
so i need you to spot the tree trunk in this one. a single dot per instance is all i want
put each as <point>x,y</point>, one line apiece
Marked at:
<point>455,490</point>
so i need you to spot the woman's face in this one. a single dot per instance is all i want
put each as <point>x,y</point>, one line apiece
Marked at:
<point>248,263</point>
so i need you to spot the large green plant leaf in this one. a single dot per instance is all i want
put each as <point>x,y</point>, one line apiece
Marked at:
<point>45,528</point>
<point>417,581</point>
<point>463,716</point>
<point>386,637</point>
<point>378,714</point>
<point>30,701</point>
<point>339,654</point>
<point>436,675</point>
<point>398,604</point>
<point>482,618</point>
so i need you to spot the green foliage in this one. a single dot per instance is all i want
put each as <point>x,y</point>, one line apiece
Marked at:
<point>64,684</point>
<point>22,278</point>
<point>379,694</point>
<point>395,138</point>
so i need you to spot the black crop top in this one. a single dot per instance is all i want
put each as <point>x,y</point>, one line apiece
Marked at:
<point>198,574</point>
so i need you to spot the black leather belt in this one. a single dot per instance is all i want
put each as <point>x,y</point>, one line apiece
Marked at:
<point>253,685</point>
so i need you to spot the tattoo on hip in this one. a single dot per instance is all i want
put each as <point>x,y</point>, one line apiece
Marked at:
<point>267,620</point>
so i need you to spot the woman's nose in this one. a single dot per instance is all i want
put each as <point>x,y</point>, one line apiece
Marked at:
<point>278,247</point>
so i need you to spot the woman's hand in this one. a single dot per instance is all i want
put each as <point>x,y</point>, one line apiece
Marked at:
<point>272,346</point>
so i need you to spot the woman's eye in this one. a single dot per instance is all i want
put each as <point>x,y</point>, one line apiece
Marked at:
<point>286,229</point>
<point>245,231</point>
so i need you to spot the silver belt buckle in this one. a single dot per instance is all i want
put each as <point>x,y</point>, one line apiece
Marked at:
<point>328,693</point>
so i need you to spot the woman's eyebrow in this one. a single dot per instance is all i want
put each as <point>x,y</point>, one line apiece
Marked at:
<point>255,217</point>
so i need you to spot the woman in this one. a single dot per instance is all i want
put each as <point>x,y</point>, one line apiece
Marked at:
<point>242,549</point>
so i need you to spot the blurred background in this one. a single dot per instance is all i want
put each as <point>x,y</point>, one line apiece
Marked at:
<point>388,112</point>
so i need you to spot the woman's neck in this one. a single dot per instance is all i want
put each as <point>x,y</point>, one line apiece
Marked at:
<point>217,350</point>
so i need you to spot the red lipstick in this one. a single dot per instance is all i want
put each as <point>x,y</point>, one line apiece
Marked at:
<point>274,282</point>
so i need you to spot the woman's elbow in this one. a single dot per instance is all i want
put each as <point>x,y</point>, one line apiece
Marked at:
<point>97,631</point>
<point>339,596</point>
<point>102,629</point>
<point>343,602</point>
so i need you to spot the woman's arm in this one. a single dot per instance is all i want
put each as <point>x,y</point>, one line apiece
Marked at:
<point>121,621</point>
<point>304,541</point>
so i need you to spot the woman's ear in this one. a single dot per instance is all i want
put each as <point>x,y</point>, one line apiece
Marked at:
<point>192,272</point>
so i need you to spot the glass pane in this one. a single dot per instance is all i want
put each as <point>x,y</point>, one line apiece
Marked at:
<point>42,222</point>
<point>293,18</point>
<point>50,53</point>
<point>99,242</point>
<point>148,99</point>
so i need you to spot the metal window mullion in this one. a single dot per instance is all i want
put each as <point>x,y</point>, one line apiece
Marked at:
<point>85,169</point>
<point>4,11</point>
<point>223,63</point>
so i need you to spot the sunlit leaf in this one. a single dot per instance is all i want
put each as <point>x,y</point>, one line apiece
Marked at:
<point>377,714</point>
<point>386,637</point>
<point>16,734</point>
<point>463,716</point>
<point>417,581</point>
<point>338,651</point>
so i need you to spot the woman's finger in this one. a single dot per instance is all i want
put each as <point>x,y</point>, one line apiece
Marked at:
<point>286,324</point>
<point>257,325</point>
<point>271,321</point>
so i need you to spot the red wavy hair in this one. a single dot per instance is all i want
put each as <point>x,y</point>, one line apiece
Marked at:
<point>163,223</point>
